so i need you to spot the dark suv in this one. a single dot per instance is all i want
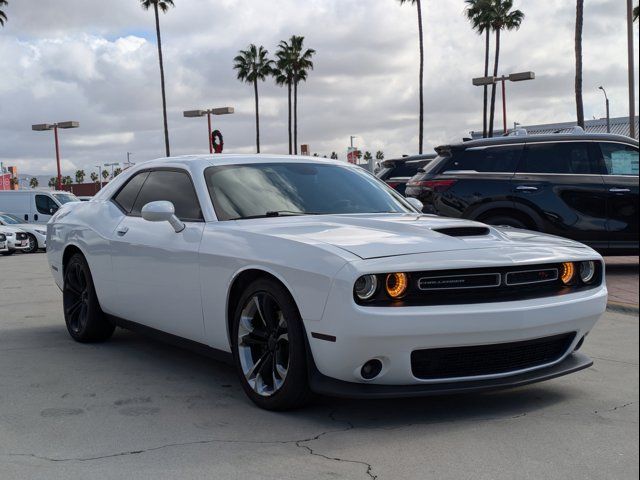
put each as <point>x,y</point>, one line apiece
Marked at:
<point>397,172</point>
<point>579,186</point>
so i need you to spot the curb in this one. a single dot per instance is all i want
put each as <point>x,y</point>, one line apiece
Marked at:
<point>620,307</point>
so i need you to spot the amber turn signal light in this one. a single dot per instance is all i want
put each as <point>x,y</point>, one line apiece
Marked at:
<point>567,272</point>
<point>396,284</point>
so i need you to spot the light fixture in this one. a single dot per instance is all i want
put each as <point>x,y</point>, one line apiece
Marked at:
<point>567,272</point>
<point>366,287</point>
<point>396,285</point>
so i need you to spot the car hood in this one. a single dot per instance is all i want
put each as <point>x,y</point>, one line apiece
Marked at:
<point>376,236</point>
<point>8,229</point>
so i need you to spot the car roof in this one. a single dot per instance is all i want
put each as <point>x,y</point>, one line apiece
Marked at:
<point>554,137</point>
<point>203,161</point>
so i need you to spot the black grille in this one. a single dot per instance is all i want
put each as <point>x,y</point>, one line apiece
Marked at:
<point>463,231</point>
<point>438,363</point>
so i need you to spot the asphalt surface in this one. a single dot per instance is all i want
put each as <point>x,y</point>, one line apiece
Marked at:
<point>138,409</point>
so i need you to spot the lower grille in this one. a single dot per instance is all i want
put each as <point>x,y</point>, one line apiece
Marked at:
<point>438,363</point>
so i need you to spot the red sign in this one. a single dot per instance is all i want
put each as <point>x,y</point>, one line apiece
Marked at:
<point>5,181</point>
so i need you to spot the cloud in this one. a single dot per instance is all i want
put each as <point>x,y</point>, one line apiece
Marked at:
<point>96,62</point>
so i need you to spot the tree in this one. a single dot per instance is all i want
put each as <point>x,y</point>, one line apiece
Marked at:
<point>418,3</point>
<point>578,52</point>
<point>334,156</point>
<point>80,176</point>
<point>117,171</point>
<point>478,12</point>
<point>502,18</point>
<point>160,5</point>
<point>301,64</point>
<point>367,156</point>
<point>283,75</point>
<point>636,12</point>
<point>33,183</point>
<point>94,177</point>
<point>3,16</point>
<point>252,65</point>
<point>379,155</point>
<point>67,180</point>
<point>105,174</point>
<point>53,182</point>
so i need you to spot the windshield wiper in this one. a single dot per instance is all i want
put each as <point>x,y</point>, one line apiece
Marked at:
<point>277,213</point>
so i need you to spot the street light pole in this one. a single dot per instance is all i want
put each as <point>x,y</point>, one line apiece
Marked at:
<point>208,113</point>
<point>607,106</point>
<point>630,62</point>
<point>46,126</point>
<point>504,105</point>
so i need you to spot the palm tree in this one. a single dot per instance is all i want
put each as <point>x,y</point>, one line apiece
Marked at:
<point>67,180</point>
<point>117,172</point>
<point>3,16</point>
<point>300,65</point>
<point>380,155</point>
<point>252,65</point>
<point>80,176</point>
<point>479,14</point>
<point>157,6</point>
<point>502,18</point>
<point>418,3</point>
<point>334,156</point>
<point>578,51</point>
<point>283,75</point>
<point>33,183</point>
<point>94,177</point>
<point>53,182</point>
<point>105,173</point>
<point>636,12</point>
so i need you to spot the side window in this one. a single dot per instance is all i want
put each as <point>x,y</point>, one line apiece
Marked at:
<point>175,187</point>
<point>503,159</point>
<point>561,157</point>
<point>127,195</point>
<point>46,205</point>
<point>620,159</point>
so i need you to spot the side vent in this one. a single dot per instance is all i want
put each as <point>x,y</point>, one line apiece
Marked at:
<point>463,231</point>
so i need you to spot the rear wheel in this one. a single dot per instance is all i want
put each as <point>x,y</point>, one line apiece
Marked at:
<point>82,314</point>
<point>269,347</point>
<point>33,244</point>
<point>508,219</point>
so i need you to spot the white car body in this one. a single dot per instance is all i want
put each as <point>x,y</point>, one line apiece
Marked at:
<point>14,243</point>
<point>179,283</point>
<point>39,232</point>
<point>3,243</point>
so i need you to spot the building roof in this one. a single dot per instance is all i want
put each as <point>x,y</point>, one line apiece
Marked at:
<point>619,126</point>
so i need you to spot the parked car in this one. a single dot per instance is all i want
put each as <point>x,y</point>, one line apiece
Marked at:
<point>17,240</point>
<point>3,243</point>
<point>34,206</point>
<point>312,276</point>
<point>579,186</point>
<point>396,172</point>
<point>36,233</point>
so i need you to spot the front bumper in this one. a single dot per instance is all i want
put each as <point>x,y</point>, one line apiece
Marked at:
<point>13,244</point>
<point>336,388</point>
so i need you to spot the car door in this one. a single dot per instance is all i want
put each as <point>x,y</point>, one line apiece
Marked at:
<point>562,183</point>
<point>45,207</point>
<point>621,181</point>
<point>155,268</point>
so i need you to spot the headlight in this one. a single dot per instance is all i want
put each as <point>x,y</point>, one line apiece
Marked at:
<point>396,284</point>
<point>366,287</point>
<point>566,272</point>
<point>587,271</point>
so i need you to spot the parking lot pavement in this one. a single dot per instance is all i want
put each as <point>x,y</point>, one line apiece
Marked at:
<point>135,408</point>
<point>622,282</point>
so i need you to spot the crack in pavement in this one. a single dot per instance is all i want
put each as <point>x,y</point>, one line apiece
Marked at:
<point>614,408</point>
<point>297,443</point>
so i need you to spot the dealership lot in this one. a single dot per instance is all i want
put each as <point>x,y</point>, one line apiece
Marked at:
<point>136,408</point>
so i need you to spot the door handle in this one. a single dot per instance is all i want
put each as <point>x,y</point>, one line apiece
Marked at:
<point>122,230</point>
<point>526,188</point>
<point>35,217</point>
<point>619,190</point>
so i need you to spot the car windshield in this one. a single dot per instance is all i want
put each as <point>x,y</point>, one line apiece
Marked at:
<point>66,198</point>
<point>7,219</point>
<point>278,189</point>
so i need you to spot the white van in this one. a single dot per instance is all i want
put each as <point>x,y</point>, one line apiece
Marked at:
<point>34,206</point>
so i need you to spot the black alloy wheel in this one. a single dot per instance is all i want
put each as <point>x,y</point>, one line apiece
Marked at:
<point>33,244</point>
<point>269,347</point>
<point>82,314</point>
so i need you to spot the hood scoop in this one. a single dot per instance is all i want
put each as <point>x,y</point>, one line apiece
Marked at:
<point>463,231</point>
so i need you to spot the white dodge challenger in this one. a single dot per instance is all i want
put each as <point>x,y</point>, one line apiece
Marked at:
<point>313,276</point>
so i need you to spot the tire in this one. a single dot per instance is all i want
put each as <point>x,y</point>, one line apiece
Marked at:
<point>86,323</point>
<point>505,219</point>
<point>33,244</point>
<point>269,347</point>
<point>8,252</point>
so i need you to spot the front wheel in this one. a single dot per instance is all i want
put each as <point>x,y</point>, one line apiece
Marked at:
<point>33,244</point>
<point>82,314</point>
<point>269,347</point>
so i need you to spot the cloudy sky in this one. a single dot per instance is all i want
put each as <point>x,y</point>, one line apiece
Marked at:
<point>96,62</point>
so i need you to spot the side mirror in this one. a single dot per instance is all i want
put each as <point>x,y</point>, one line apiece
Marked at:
<point>415,203</point>
<point>162,211</point>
